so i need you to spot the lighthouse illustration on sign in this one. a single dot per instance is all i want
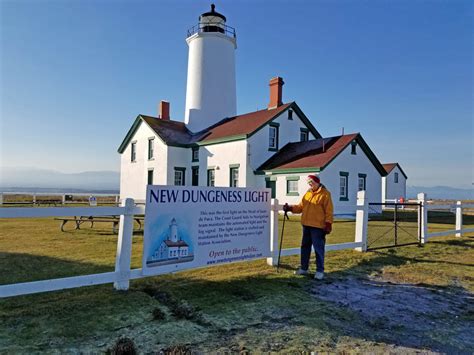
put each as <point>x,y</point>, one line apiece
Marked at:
<point>173,249</point>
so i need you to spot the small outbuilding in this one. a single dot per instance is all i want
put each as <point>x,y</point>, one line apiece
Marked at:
<point>394,184</point>
<point>345,165</point>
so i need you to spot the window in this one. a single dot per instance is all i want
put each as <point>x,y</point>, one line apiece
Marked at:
<point>133,150</point>
<point>195,176</point>
<point>151,147</point>
<point>395,176</point>
<point>353,148</point>
<point>179,176</point>
<point>273,137</point>
<point>211,176</point>
<point>270,183</point>
<point>234,176</point>
<point>290,114</point>
<point>292,185</point>
<point>343,182</point>
<point>304,134</point>
<point>362,182</point>
<point>195,153</point>
<point>150,177</point>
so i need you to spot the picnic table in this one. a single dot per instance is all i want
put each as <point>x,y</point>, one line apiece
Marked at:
<point>78,220</point>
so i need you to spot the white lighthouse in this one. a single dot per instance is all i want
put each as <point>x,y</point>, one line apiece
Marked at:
<point>211,89</point>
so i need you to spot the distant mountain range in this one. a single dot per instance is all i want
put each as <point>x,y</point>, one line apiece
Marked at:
<point>441,192</point>
<point>18,178</point>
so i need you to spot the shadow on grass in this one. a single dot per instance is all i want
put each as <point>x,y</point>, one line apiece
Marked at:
<point>398,260</point>
<point>225,301</point>
<point>28,267</point>
<point>281,301</point>
<point>441,217</point>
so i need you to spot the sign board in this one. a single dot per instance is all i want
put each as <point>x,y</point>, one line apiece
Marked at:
<point>92,201</point>
<point>188,227</point>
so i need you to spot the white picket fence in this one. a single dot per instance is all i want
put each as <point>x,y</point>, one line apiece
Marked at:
<point>123,273</point>
<point>62,195</point>
<point>458,231</point>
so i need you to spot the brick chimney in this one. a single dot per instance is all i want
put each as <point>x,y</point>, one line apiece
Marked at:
<point>164,112</point>
<point>276,85</point>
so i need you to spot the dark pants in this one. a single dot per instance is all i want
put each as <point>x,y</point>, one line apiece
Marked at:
<point>315,237</point>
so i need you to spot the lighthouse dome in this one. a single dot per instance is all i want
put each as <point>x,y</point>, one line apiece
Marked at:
<point>212,21</point>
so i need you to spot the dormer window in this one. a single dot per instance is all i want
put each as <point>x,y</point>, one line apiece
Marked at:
<point>151,148</point>
<point>133,152</point>
<point>396,178</point>
<point>273,137</point>
<point>304,134</point>
<point>362,182</point>
<point>195,154</point>
<point>290,114</point>
<point>353,148</point>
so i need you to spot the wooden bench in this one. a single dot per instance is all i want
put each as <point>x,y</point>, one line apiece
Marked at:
<point>92,219</point>
<point>48,202</point>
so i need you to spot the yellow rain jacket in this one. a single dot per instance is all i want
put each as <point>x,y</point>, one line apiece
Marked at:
<point>317,208</point>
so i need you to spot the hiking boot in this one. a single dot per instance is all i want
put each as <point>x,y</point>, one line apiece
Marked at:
<point>301,272</point>
<point>319,276</point>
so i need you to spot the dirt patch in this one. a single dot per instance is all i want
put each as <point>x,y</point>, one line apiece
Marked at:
<point>419,316</point>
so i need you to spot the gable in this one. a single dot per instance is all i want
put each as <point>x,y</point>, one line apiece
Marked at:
<point>128,137</point>
<point>171,133</point>
<point>389,167</point>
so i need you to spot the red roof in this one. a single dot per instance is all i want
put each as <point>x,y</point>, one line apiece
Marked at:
<point>176,133</point>
<point>310,154</point>
<point>316,153</point>
<point>242,124</point>
<point>389,167</point>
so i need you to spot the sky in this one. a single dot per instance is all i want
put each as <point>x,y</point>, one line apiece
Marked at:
<point>75,74</point>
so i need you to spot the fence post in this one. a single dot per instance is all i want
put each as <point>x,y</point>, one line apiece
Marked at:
<point>124,246</point>
<point>273,259</point>
<point>362,220</point>
<point>34,199</point>
<point>64,199</point>
<point>459,218</point>
<point>423,217</point>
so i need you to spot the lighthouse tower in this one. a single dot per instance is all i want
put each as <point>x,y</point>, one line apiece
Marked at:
<point>173,231</point>
<point>211,90</point>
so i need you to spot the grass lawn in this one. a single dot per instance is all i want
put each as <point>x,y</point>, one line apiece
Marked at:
<point>236,307</point>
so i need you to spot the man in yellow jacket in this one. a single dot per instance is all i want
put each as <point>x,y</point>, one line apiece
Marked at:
<point>317,218</point>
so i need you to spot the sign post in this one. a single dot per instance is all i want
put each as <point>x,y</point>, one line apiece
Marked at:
<point>189,227</point>
<point>92,201</point>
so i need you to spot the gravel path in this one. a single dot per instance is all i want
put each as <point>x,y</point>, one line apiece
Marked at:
<point>438,319</point>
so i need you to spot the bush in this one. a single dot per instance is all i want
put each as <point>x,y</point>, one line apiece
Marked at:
<point>123,346</point>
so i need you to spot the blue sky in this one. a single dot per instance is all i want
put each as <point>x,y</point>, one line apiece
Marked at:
<point>75,74</point>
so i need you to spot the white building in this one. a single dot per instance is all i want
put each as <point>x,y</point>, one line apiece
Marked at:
<point>394,184</point>
<point>275,147</point>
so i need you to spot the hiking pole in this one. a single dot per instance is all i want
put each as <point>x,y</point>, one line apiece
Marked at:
<point>285,217</point>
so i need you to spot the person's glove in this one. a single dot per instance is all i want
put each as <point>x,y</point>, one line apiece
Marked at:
<point>328,228</point>
<point>287,208</point>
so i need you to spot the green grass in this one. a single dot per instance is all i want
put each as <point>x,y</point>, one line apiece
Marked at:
<point>228,308</point>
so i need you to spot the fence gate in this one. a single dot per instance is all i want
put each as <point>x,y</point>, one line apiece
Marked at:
<point>393,225</point>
